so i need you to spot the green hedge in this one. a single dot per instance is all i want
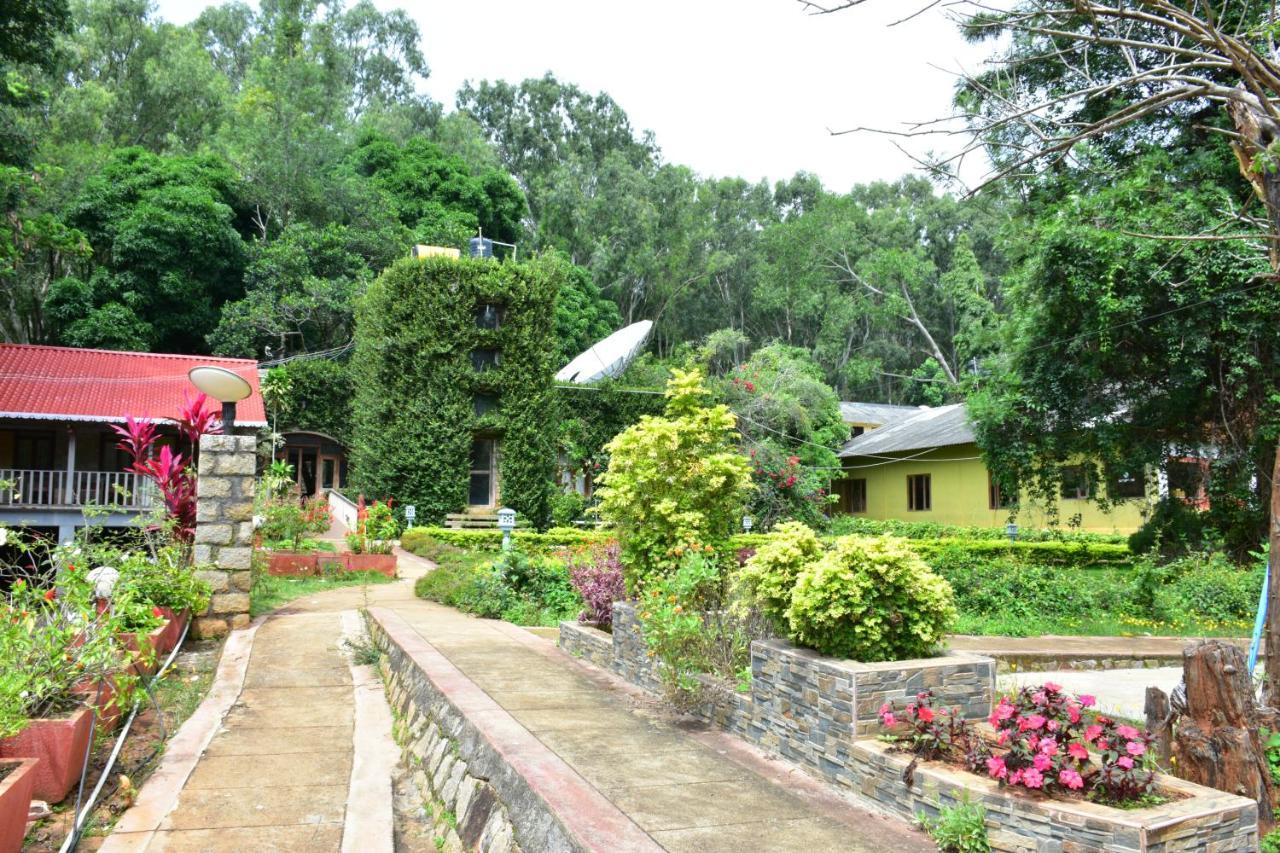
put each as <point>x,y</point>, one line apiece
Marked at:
<point>1080,555</point>
<point>846,524</point>
<point>415,539</point>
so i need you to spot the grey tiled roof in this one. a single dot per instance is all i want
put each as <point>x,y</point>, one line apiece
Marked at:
<point>875,413</point>
<point>940,426</point>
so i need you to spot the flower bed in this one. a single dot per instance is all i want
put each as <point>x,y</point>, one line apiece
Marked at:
<point>822,713</point>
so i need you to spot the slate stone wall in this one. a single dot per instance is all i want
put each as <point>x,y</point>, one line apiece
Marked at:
<point>821,714</point>
<point>223,548</point>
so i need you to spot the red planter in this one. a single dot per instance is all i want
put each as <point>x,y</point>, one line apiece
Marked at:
<point>381,563</point>
<point>15,801</point>
<point>146,654</point>
<point>174,626</point>
<point>60,744</point>
<point>100,696</point>
<point>291,563</point>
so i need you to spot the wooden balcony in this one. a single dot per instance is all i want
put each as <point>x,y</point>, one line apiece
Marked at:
<point>120,491</point>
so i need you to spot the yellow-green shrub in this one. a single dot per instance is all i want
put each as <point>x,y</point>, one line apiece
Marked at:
<point>767,580</point>
<point>870,599</point>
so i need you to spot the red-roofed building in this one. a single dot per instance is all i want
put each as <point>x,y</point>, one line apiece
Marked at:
<point>56,445</point>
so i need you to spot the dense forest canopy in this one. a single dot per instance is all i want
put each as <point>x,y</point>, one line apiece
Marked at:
<point>234,184</point>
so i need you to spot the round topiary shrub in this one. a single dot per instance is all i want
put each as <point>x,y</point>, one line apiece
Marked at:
<point>768,578</point>
<point>870,599</point>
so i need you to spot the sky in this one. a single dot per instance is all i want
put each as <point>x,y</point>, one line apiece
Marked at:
<point>745,88</point>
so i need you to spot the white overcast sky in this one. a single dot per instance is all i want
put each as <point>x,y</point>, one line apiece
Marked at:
<point>729,87</point>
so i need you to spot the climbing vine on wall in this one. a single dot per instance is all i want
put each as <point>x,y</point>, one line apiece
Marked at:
<point>417,386</point>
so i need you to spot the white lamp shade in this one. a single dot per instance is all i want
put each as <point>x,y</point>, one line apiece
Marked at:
<point>220,384</point>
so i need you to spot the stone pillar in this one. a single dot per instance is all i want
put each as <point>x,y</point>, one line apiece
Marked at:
<point>224,530</point>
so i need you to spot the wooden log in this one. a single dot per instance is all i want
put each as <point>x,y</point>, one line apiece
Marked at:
<point>1218,742</point>
<point>1160,724</point>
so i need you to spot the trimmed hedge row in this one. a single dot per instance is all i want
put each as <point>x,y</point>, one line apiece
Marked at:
<point>844,525</point>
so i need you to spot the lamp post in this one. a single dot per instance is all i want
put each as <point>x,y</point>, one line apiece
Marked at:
<point>224,386</point>
<point>1011,530</point>
<point>747,523</point>
<point>506,523</point>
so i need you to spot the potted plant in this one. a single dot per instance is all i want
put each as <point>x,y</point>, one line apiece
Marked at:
<point>51,646</point>
<point>163,578</point>
<point>17,776</point>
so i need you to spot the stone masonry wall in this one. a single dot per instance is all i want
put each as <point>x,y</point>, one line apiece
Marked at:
<point>820,713</point>
<point>224,530</point>
<point>466,810</point>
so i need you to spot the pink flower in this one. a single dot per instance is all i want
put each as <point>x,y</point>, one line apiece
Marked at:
<point>1073,713</point>
<point>1004,710</point>
<point>1087,700</point>
<point>1052,688</point>
<point>888,719</point>
<point>1015,778</point>
<point>1078,752</point>
<point>996,768</point>
<point>1040,698</point>
<point>1042,762</point>
<point>1035,721</point>
<point>1049,746</point>
<point>1002,738</point>
<point>1032,778</point>
<point>1135,747</point>
<point>1125,761</point>
<point>1092,733</point>
<point>885,708</point>
<point>1052,725</point>
<point>1071,779</point>
<point>1127,732</point>
<point>1033,741</point>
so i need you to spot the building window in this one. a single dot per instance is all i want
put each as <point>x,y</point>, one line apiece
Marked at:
<point>483,360</point>
<point>33,450</point>
<point>1127,484</point>
<point>852,495</point>
<point>489,315</point>
<point>482,404</point>
<point>919,492</point>
<point>1075,482</point>
<point>484,472</point>
<point>998,498</point>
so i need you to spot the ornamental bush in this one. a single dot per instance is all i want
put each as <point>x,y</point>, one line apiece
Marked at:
<point>768,578</point>
<point>870,599</point>
<point>674,482</point>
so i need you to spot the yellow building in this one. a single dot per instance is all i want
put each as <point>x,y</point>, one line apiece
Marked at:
<point>923,464</point>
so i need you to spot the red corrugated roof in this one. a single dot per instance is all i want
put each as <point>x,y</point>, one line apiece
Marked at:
<point>65,383</point>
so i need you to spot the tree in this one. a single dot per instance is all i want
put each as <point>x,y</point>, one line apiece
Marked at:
<point>1153,69</point>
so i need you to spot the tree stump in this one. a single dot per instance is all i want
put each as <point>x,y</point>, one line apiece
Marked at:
<point>1160,724</point>
<point>1218,742</point>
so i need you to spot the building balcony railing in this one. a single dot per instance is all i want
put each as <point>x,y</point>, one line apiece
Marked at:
<point>36,489</point>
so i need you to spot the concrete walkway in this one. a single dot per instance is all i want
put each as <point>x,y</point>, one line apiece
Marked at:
<point>292,749</point>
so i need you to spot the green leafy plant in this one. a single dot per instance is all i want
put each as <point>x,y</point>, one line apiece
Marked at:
<point>376,527</point>
<point>769,576</point>
<point>1271,745</point>
<point>674,482</point>
<point>566,508</point>
<point>961,828</point>
<point>870,599</point>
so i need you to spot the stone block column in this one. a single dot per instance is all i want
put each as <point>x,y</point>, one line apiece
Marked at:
<point>224,530</point>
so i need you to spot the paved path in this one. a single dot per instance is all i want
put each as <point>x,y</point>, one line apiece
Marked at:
<point>292,749</point>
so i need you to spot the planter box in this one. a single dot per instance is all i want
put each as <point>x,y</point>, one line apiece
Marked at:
<point>287,563</point>
<point>100,696</point>
<point>15,801</point>
<point>145,649</point>
<point>384,564</point>
<point>173,630</point>
<point>1201,819</point>
<point>60,745</point>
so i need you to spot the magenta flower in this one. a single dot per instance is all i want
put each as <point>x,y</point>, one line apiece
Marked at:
<point>1040,698</point>
<point>1032,778</point>
<point>1071,779</point>
<point>1042,762</point>
<point>1087,700</point>
<point>888,720</point>
<point>1073,713</point>
<point>996,768</point>
<point>1125,761</point>
<point>1127,732</point>
<point>1092,733</point>
<point>1135,747</point>
<point>1078,752</point>
<point>1004,710</point>
<point>1052,688</point>
<point>1035,721</point>
<point>1052,725</point>
<point>1049,746</point>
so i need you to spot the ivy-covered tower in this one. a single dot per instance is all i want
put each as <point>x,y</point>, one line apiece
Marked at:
<point>454,407</point>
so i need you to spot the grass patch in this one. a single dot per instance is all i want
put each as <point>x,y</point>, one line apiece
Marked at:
<point>271,592</point>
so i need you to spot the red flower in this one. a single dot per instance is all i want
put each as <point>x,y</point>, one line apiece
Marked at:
<point>157,612</point>
<point>751,388</point>
<point>925,713</point>
<point>50,594</point>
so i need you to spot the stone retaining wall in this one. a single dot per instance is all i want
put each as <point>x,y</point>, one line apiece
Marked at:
<point>820,713</point>
<point>466,810</point>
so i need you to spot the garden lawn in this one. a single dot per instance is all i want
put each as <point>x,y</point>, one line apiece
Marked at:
<point>271,592</point>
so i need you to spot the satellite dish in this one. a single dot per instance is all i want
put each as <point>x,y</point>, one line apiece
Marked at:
<point>608,357</point>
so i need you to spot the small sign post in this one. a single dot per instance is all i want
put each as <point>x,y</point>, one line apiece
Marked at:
<point>410,513</point>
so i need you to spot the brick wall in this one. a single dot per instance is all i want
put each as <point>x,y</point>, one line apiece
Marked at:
<point>224,530</point>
